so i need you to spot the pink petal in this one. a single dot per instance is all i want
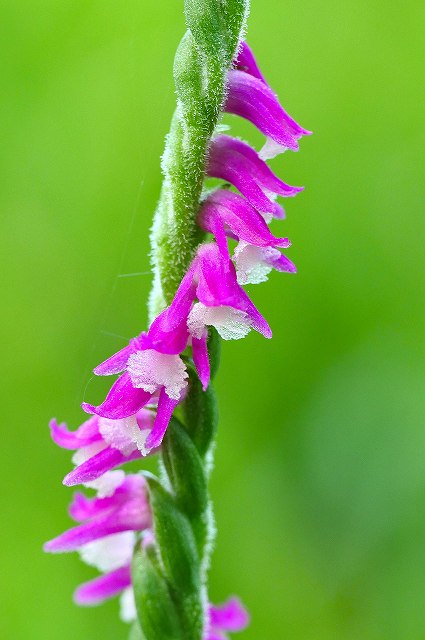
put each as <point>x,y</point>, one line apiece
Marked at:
<point>166,407</point>
<point>86,434</point>
<point>99,464</point>
<point>253,100</point>
<point>167,340</point>
<point>218,286</point>
<point>240,217</point>
<point>128,517</point>
<point>122,401</point>
<point>104,587</point>
<point>114,364</point>
<point>230,616</point>
<point>283,264</point>
<point>83,508</point>
<point>245,61</point>
<point>236,162</point>
<point>201,359</point>
<point>259,323</point>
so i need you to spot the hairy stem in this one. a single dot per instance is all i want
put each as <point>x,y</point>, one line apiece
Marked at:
<point>169,574</point>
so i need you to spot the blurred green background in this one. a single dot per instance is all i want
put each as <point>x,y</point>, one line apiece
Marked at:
<point>319,484</point>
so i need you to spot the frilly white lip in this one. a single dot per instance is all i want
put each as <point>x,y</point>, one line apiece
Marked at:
<point>151,370</point>
<point>231,324</point>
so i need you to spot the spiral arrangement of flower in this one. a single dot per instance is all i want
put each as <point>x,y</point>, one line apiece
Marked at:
<point>151,538</point>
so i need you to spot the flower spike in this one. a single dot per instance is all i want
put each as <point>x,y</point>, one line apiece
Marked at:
<point>151,538</point>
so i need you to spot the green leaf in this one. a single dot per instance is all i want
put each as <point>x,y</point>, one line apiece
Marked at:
<point>156,610</point>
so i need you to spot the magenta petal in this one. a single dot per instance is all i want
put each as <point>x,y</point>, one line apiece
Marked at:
<point>216,279</point>
<point>99,464</point>
<point>210,220</point>
<point>253,100</point>
<point>180,307</point>
<point>104,587</point>
<point>236,162</point>
<point>86,434</point>
<point>240,217</point>
<point>128,517</point>
<point>166,407</point>
<point>231,616</point>
<point>122,401</point>
<point>168,332</point>
<point>245,61</point>
<point>82,508</point>
<point>114,364</point>
<point>278,211</point>
<point>259,323</point>
<point>212,634</point>
<point>283,264</point>
<point>171,341</point>
<point>201,359</point>
<point>118,362</point>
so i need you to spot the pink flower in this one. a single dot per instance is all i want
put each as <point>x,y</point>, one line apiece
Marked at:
<point>127,509</point>
<point>225,213</point>
<point>209,295</point>
<point>250,97</point>
<point>236,162</point>
<point>216,299</point>
<point>150,377</point>
<point>100,445</point>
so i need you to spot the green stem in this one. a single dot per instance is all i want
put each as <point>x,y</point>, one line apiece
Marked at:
<point>169,575</point>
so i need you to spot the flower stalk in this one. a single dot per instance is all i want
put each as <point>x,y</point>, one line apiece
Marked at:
<point>201,64</point>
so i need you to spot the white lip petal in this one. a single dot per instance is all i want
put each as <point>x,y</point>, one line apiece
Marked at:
<point>140,437</point>
<point>109,553</point>
<point>119,433</point>
<point>128,611</point>
<point>107,483</point>
<point>271,149</point>
<point>85,453</point>
<point>251,264</point>
<point>151,370</point>
<point>231,324</point>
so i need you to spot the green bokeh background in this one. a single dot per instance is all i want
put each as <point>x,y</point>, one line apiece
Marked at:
<point>319,484</point>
